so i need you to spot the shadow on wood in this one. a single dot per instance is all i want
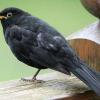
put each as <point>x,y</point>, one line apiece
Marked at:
<point>88,95</point>
<point>86,43</point>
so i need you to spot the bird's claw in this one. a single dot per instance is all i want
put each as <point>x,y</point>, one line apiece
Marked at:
<point>32,80</point>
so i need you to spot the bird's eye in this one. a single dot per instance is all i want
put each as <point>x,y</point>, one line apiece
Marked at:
<point>9,14</point>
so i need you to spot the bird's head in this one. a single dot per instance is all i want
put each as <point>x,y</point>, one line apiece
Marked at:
<point>10,16</point>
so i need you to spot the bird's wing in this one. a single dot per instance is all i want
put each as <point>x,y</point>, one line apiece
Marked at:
<point>57,51</point>
<point>20,42</point>
<point>55,44</point>
<point>19,35</point>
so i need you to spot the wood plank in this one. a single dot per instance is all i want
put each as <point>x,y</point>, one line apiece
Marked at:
<point>54,85</point>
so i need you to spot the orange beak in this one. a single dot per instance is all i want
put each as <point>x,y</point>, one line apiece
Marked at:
<point>3,17</point>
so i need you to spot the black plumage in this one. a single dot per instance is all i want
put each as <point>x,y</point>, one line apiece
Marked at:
<point>39,45</point>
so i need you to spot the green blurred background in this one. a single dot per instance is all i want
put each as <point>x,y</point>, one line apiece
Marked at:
<point>66,16</point>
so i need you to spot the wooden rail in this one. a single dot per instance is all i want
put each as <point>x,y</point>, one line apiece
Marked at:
<point>55,86</point>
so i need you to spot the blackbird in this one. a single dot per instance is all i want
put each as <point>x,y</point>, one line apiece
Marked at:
<point>39,45</point>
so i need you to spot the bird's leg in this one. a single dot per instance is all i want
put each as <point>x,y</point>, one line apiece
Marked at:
<point>34,77</point>
<point>37,72</point>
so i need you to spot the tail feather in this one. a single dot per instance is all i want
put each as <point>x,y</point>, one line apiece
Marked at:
<point>90,77</point>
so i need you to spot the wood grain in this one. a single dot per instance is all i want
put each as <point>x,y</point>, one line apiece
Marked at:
<point>86,43</point>
<point>55,85</point>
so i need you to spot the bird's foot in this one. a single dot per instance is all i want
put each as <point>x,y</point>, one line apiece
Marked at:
<point>32,80</point>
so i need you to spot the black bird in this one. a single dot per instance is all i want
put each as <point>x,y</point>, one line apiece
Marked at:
<point>39,45</point>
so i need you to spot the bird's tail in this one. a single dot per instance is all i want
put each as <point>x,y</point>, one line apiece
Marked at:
<point>90,77</point>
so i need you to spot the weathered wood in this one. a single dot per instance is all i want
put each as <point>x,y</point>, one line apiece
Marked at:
<point>54,85</point>
<point>86,43</point>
